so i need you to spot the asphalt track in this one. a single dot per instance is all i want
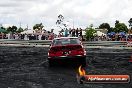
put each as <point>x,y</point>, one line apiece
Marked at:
<point>27,67</point>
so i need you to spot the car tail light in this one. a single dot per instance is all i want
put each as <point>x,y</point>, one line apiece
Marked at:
<point>81,51</point>
<point>51,53</point>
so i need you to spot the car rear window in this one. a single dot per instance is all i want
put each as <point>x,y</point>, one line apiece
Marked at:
<point>66,41</point>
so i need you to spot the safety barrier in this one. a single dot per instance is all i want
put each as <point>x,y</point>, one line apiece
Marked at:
<point>86,43</point>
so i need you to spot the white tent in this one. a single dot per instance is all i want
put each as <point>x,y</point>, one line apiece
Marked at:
<point>27,32</point>
<point>100,33</point>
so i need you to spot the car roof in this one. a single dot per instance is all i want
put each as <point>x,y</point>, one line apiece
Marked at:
<point>66,38</point>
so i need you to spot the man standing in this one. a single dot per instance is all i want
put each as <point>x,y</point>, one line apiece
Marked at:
<point>73,32</point>
<point>66,32</point>
<point>77,32</point>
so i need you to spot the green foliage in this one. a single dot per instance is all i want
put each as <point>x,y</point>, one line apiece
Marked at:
<point>3,30</point>
<point>111,29</point>
<point>12,29</point>
<point>117,22</point>
<point>20,30</point>
<point>38,26</point>
<point>90,33</point>
<point>105,26</point>
<point>9,29</point>
<point>120,27</point>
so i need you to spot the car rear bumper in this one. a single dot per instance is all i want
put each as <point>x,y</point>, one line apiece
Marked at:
<point>67,57</point>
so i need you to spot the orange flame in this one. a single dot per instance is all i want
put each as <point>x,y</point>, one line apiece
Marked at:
<point>81,71</point>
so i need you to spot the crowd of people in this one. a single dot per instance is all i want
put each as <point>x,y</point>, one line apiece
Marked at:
<point>71,33</point>
<point>115,37</point>
<point>119,37</point>
<point>47,35</point>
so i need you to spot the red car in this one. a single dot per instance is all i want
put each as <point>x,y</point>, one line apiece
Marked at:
<point>66,48</point>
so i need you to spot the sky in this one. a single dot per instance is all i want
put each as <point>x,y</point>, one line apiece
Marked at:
<point>81,13</point>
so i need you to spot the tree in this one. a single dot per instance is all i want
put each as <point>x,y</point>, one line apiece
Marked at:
<point>90,33</point>
<point>20,30</point>
<point>120,27</point>
<point>38,26</point>
<point>117,22</point>
<point>111,29</point>
<point>105,26</point>
<point>9,29</point>
<point>3,30</point>
<point>12,29</point>
<point>2,27</point>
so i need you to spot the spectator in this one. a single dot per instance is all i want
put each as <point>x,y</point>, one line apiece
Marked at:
<point>46,35</point>
<point>22,36</point>
<point>70,31</point>
<point>80,32</point>
<point>59,35</point>
<point>73,32</point>
<point>66,32</point>
<point>26,37</point>
<point>77,32</point>
<point>43,36</point>
<point>50,37</point>
<point>62,35</point>
<point>8,35</point>
<point>40,36</point>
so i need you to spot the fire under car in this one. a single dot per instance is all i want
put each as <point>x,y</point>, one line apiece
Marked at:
<point>66,49</point>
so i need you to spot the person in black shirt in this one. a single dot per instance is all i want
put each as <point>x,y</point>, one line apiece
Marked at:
<point>80,34</point>
<point>77,32</point>
<point>73,32</point>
